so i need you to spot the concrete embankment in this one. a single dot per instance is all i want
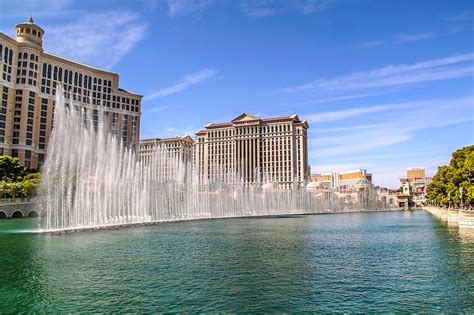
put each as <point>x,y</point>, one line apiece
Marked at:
<point>455,217</point>
<point>19,209</point>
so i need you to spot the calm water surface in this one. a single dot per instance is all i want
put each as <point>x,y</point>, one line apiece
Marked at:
<point>368,262</point>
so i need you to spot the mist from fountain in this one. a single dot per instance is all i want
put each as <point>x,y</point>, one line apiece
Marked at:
<point>91,180</point>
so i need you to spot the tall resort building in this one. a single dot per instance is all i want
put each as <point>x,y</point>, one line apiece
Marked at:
<point>29,81</point>
<point>254,150</point>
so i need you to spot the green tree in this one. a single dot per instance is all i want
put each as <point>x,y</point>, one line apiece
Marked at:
<point>29,187</point>
<point>10,169</point>
<point>15,190</point>
<point>449,179</point>
<point>30,184</point>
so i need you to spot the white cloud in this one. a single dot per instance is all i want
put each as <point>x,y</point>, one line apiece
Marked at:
<point>170,132</point>
<point>21,10</point>
<point>156,109</point>
<point>186,82</point>
<point>461,17</point>
<point>397,39</point>
<point>185,7</point>
<point>346,113</point>
<point>403,125</point>
<point>328,168</point>
<point>100,39</point>
<point>310,6</point>
<point>359,143</point>
<point>408,38</point>
<point>457,66</point>
<point>264,8</point>
<point>341,98</point>
<point>353,112</point>
<point>351,128</point>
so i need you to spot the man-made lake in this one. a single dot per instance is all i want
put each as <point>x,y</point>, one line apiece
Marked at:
<point>369,262</point>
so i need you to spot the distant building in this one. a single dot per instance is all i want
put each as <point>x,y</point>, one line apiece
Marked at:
<point>29,81</point>
<point>344,180</point>
<point>415,172</point>
<point>351,188</point>
<point>413,188</point>
<point>179,145</point>
<point>173,155</point>
<point>257,150</point>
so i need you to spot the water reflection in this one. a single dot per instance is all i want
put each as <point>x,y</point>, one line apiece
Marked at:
<point>373,262</point>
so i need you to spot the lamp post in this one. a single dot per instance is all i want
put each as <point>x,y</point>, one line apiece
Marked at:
<point>460,195</point>
<point>449,199</point>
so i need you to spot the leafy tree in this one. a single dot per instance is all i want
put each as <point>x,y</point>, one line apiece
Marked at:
<point>10,169</point>
<point>16,180</point>
<point>29,187</point>
<point>458,174</point>
<point>30,176</point>
<point>15,189</point>
<point>30,184</point>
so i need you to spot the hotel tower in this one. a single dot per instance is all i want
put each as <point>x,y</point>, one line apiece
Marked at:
<point>258,150</point>
<point>29,80</point>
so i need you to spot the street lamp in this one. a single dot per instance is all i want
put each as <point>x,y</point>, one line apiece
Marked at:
<point>460,195</point>
<point>449,199</point>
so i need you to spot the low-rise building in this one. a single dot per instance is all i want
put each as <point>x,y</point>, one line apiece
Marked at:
<point>347,180</point>
<point>413,188</point>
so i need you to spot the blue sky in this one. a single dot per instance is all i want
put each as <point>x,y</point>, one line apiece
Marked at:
<point>385,85</point>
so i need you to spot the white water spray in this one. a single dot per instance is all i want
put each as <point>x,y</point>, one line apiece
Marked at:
<point>90,180</point>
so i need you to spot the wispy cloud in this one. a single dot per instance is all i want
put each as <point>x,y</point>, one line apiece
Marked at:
<point>326,168</point>
<point>186,7</point>
<point>408,38</point>
<point>156,109</point>
<point>453,67</point>
<point>351,128</point>
<point>80,39</point>
<point>402,126</point>
<point>353,144</point>
<point>186,82</point>
<point>462,17</point>
<point>21,10</point>
<point>463,21</point>
<point>347,113</point>
<point>265,8</point>
<point>340,98</point>
<point>170,132</point>
<point>397,39</point>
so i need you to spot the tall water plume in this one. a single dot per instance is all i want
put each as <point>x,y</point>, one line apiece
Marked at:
<point>91,180</point>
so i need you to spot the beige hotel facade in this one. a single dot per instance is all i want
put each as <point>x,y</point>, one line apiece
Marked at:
<point>175,156</point>
<point>29,81</point>
<point>179,146</point>
<point>258,150</point>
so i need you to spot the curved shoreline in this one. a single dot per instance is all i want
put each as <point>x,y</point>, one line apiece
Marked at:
<point>138,224</point>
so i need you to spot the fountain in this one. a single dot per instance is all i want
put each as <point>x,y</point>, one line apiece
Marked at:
<point>90,180</point>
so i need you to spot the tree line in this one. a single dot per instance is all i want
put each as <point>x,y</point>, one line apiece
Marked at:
<point>453,184</point>
<point>17,181</point>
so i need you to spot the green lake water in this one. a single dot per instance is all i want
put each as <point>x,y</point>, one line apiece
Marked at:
<point>366,262</point>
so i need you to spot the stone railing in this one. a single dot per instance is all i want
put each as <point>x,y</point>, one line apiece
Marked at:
<point>458,217</point>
